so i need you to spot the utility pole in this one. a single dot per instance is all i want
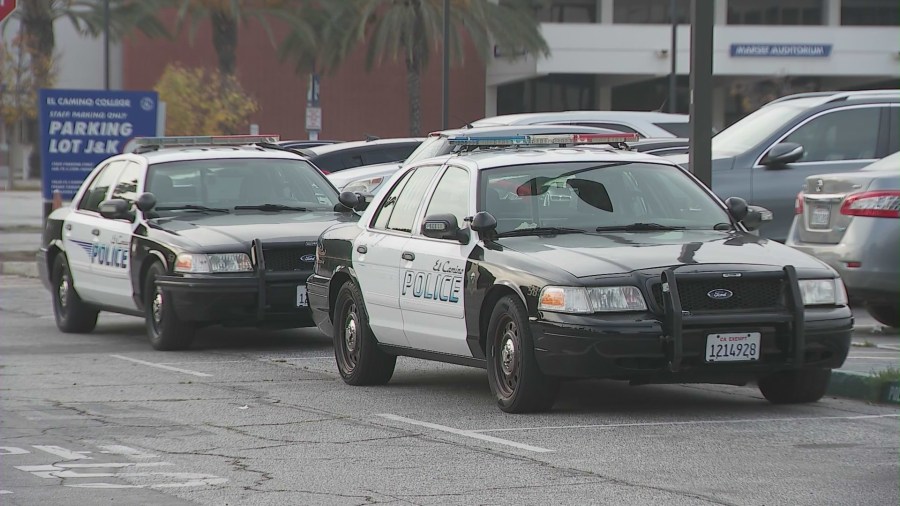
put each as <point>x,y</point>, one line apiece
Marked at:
<point>106,45</point>
<point>445,87</point>
<point>702,17</point>
<point>673,77</point>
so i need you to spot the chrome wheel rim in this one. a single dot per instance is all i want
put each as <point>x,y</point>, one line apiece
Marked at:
<point>351,338</point>
<point>157,307</point>
<point>62,291</point>
<point>507,359</point>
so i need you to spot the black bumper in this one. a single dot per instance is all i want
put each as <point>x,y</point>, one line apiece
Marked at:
<point>583,347</point>
<point>319,303</point>
<point>252,300</point>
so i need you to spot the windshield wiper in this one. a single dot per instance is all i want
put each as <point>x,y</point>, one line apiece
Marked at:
<point>541,231</point>
<point>191,207</point>
<point>637,227</point>
<point>271,207</point>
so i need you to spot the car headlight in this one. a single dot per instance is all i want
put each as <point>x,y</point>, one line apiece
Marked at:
<point>367,185</point>
<point>591,300</point>
<point>215,262</point>
<point>823,291</point>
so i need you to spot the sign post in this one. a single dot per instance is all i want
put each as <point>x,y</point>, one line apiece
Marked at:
<point>6,8</point>
<point>81,128</point>
<point>313,111</point>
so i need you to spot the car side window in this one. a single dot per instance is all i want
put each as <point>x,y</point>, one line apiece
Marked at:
<point>99,188</point>
<point>398,209</point>
<point>844,134</point>
<point>451,196</point>
<point>126,187</point>
<point>612,126</point>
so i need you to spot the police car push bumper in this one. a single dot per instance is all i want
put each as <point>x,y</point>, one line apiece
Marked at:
<point>681,346</point>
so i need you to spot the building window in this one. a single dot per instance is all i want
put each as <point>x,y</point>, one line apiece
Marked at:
<point>567,11</point>
<point>558,92</point>
<point>870,12</point>
<point>775,12</point>
<point>650,11</point>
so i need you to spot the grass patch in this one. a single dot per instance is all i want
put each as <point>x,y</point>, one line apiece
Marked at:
<point>889,374</point>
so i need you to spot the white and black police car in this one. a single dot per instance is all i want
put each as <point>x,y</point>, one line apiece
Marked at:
<point>544,260</point>
<point>190,231</point>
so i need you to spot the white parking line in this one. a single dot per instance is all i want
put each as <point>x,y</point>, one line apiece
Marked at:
<point>161,366</point>
<point>466,433</point>
<point>62,452</point>
<point>859,357</point>
<point>690,422</point>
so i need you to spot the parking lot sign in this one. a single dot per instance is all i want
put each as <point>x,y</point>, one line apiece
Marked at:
<point>6,8</point>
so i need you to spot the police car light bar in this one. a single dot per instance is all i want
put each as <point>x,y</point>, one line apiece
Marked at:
<point>206,140</point>
<point>542,139</point>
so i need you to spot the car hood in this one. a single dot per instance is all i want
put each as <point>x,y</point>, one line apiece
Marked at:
<point>217,232</point>
<point>584,255</point>
<point>344,177</point>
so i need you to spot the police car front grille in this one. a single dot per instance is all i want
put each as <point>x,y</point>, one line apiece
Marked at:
<point>289,259</point>
<point>747,294</point>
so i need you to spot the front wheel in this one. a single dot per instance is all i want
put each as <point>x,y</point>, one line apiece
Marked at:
<point>795,387</point>
<point>359,359</point>
<point>886,314</point>
<point>517,383</point>
<point>71,313</point>
<point>164,329</point>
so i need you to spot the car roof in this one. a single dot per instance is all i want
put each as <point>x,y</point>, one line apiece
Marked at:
<point>503,157</point>
<point>497,130</point>
<point>174,154</point>
<point>818,98</point>
<point>531,118</point>
<point>340,146</point>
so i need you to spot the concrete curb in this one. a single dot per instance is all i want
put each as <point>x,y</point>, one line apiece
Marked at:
<point>26,269</point>
<point>863,387</point>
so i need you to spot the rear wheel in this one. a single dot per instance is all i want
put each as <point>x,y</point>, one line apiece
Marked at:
<point>516,381</point>
<point>886,314</point>
<point>71,313</point>
<point>359,359</point>
<point>795,387</point>
<point>164,329</point>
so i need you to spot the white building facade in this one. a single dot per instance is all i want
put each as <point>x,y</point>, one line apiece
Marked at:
<point>616,54</point>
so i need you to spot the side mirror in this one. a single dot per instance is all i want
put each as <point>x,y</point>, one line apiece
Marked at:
<point>737,208</point>
<point>783,154</point>
<point>116,209</point>
<point>483,221</point>
<point>444,226</point>
<point>352,201</point>
<point>145,202</point>
<point>756,216</point>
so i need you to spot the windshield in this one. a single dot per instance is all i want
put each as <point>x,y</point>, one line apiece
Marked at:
<point>229,183</point>
<point>434,145</point>
<point>756,127</point>
<point>588,195</point>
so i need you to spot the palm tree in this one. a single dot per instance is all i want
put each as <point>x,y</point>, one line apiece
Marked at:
<point>412,30</point>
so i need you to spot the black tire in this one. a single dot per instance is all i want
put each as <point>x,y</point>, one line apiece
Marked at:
<point>165,330</point>
<point>517,383</point>
<point>71,313</point>
<point>359,359</point>
<point>795,387</point>
<point>886,314</point>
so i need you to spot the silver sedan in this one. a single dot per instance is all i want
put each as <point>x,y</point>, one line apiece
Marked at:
<point>850,220</point>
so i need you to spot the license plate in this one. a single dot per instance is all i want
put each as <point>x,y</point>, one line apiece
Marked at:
<point>732,347</point>
<point>302,297</point>
<point>820,216</point>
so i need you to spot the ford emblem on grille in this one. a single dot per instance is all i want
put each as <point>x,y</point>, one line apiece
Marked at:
<point>719,294</point>
<point>312,258</point>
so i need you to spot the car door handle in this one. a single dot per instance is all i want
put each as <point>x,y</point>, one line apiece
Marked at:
<point>408,256</point>
<point>96,231</point>
<point>361,249</point>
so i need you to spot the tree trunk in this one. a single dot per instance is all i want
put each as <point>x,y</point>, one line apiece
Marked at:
<point>225,39</point>
<point>40,42</point>
<point>414,89</point>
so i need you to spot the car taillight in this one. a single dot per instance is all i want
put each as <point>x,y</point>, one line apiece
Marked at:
<point>798,204</point>
<point>877,204</point>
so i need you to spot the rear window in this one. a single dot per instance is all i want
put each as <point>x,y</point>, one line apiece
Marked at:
<point>676,129</point>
